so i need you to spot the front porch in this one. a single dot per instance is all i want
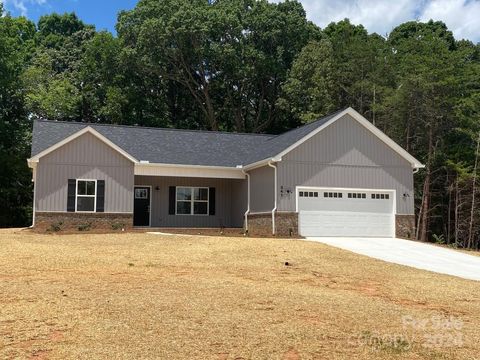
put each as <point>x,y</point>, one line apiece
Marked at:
<point>165,202</point>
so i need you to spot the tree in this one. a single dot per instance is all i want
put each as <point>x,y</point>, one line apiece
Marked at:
<point>16,40</point>
<point>359,66</point>
<point>230,56</point>
<point>308,92</point>
<point>423,104</point>
<point>52,80</point>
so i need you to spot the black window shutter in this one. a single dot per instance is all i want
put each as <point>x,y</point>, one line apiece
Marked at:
<point>72,183</point>
<point>211,201</point>
<point>171,200</point>
<point>100,195</point>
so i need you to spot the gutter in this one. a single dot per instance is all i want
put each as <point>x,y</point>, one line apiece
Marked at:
<point>270,163</point>
<point>248,200</point>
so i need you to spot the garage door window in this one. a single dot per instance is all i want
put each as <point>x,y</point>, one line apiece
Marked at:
<point>332,195</point>
<point>381,196</point>
<point>357,195</point>
<point>308,194</point>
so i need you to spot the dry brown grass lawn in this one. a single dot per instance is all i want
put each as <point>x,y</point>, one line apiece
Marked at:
<point>126,296</point>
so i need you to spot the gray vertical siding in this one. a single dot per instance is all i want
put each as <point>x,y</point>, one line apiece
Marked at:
<point>345,154</point>
<point>262,189</point>
<point>238,204</point>
<point>229,207</point>
<point>89,158</point>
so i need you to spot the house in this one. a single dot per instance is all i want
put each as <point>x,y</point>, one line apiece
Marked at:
<point>337,176</point>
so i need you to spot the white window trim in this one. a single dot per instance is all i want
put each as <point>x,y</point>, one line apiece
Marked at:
<point>94,196</point>
<point>192,201</point>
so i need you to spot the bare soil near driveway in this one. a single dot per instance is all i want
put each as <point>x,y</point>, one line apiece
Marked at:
<point>137,295</point>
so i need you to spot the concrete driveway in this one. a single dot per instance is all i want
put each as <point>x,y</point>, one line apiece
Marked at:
<point>411,253</point>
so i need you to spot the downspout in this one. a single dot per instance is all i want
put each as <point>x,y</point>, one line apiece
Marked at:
<point>270,163</point>
<point>248,200</point>
<point>416,170</point>
<point>34,180</point>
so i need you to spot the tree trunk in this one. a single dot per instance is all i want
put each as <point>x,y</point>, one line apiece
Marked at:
<point>426,190</point>
<point>449,211</point>
<point>474,185</point>
<point>457,205</point>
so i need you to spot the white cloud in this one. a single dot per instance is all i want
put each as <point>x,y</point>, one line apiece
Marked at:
<point>376,15</point>
<point>381,16</point>
<point>461,16</point>
<point>21,5</point>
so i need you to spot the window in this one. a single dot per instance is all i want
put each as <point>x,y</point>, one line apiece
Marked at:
<point>381,196</point>
<point>357,195</point>
<point>332,195</point>
<point>308,193</point>
<point>141,193</point>
<point>192,201</point>
<point>86,195</point>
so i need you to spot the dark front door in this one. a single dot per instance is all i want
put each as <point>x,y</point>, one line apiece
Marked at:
<point>141,206</point>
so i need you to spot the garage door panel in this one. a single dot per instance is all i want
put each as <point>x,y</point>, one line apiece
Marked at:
<point>325,223</point>
<point>346,212</point>
<point>350,205</point>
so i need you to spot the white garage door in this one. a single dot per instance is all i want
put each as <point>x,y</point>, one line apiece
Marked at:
<point>346,212</point>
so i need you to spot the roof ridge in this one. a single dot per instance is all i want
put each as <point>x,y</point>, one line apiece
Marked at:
<point>154,128</point>
<point>310,123</point>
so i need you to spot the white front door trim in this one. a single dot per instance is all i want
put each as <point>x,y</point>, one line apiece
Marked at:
<point>149,206</point>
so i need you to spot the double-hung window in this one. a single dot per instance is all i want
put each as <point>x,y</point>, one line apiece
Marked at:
<point>192,201</point>
<point>86,195</point>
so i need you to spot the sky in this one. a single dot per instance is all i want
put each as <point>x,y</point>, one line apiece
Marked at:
<point>380,16</point>
<point>101,13</point>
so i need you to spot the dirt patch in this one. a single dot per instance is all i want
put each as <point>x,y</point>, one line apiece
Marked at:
<point>134,295</point>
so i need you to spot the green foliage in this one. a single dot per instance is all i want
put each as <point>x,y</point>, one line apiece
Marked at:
<point>62,25</point>
<point>230,57</point>
<point>308,91</point>
<point>439,239</point>
<point>85,226</point>
<point>16,40</point>
<point>55,227</point>
<point>118,226</point>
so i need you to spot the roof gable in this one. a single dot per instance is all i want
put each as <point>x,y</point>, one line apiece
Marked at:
<point>76,135</point>
<point>308,131</point>
<point>346,143</point>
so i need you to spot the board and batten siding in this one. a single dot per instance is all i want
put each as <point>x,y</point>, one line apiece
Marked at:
<point>238,203</point>
<point>262,183</point>
<point>230,201</point>
<point>347,155</point>
<point>85,157</point>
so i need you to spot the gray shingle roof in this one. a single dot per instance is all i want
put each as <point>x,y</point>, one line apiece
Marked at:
<point>170,146</point>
